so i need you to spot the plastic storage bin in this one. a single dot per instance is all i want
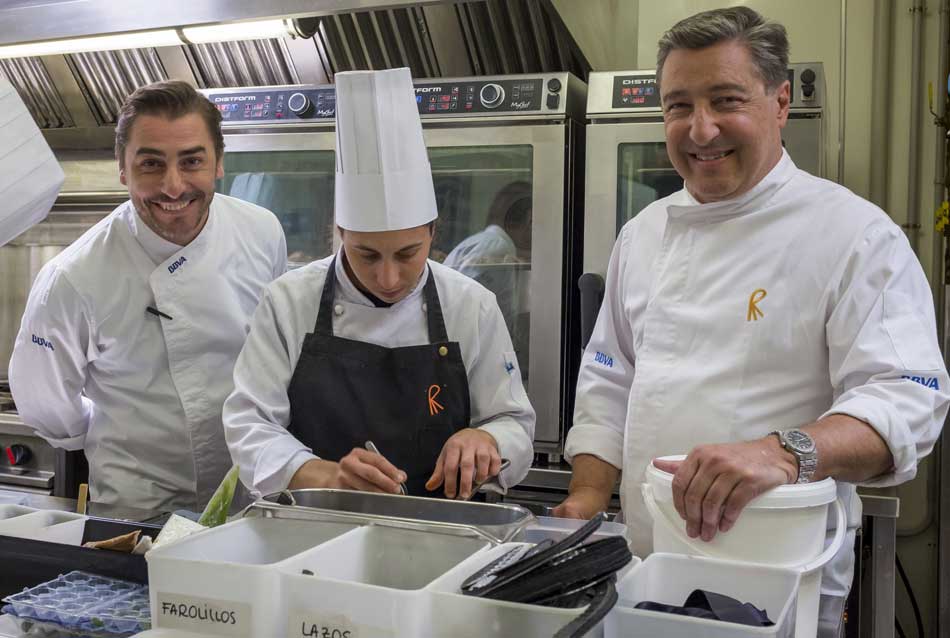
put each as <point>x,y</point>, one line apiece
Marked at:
<point>451,613</point>
<point>669,579</point>
<point>560,528</point>
<point>46,525</point>
<point>369,582</point>
<point>223,581</point>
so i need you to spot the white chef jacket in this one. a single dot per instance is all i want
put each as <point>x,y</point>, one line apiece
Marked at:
<point>257,413</point>
<point>681,357</point>
<point>142,394</point>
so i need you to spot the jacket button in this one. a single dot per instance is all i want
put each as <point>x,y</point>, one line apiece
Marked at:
<point>338,309</point>
<point>443,350</point>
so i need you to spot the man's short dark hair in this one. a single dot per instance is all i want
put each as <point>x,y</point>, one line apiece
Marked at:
<point>171,99</point>
<point>766,41</point>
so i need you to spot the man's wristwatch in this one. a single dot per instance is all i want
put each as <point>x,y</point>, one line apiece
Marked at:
<point>803,447</point>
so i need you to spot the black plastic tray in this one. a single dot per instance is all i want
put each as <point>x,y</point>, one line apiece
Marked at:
<point>25,562</point>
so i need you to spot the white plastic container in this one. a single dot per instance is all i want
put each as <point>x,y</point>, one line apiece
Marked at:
<point>369,582</point>
<point>556,529</point>
<point>11,511</point>
<point>224,581</point>
<point>670,578</point>
<point>46,525</point>
<point>785,527</point>
<point>452,613</point>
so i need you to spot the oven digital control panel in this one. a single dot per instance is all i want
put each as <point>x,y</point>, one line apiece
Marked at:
<point>636,91</point>
<point>265,105</point>
<point>434,98</point>
<point>501,96</point>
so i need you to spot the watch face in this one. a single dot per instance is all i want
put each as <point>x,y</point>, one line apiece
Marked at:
<point>800,441</point>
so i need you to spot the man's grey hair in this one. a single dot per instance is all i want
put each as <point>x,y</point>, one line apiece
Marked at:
<point>766,41</point>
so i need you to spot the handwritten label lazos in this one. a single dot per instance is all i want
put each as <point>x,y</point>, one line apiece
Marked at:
<point>316,625</point>
<point>203,615</point>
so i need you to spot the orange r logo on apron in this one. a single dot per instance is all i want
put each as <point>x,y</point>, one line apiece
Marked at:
<point>434,406</point>
<point>754,312</point>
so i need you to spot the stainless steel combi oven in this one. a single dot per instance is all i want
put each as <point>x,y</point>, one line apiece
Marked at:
<point>506,156</point>
<point>627,164</point>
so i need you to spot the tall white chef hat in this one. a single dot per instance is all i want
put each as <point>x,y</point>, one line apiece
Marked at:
<point>383,178</point>
<point>30,176</point>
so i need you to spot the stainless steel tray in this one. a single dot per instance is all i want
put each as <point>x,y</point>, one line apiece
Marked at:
<point>498,523</point>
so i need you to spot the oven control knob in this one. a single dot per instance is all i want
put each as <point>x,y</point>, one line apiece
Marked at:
<point>18,454</point>
<point>491,95</point>
<point>299,104</point>
<point>808,76</point>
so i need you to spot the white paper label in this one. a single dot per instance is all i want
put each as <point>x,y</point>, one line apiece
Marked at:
<point>311,624</point>
<point>203,615</point>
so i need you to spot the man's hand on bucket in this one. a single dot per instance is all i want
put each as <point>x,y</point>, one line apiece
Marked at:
<point>714,483</point>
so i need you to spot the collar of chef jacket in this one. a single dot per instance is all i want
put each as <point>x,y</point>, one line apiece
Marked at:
<point>349,292</point>
<point>155,246</point>
<point>695,212</point>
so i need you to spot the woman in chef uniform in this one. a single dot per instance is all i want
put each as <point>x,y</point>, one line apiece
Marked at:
<point>377,343</point>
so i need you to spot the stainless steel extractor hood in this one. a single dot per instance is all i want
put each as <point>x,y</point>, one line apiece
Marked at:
<point>75,97</point>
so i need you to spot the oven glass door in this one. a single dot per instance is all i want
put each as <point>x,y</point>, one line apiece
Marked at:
<point>484,230</point>
<point>644,175</point>
<point>626,168</point>
<point>291,175</point>
<point>500,192</point>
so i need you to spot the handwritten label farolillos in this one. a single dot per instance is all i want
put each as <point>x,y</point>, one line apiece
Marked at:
<point>204,615</point>
<point>316,625</point>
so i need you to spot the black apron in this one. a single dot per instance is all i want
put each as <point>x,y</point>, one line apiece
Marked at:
<point>408,401</point>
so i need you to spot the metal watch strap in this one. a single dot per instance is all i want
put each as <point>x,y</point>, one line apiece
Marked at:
<point>807,464</point>
<point>807,461</point>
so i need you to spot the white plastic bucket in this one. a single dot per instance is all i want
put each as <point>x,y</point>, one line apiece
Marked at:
<point>785,527</point>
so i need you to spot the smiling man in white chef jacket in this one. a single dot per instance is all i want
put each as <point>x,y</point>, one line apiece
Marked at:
<point>772,325</point>
<point>130,334</point>
<point>377,343</point>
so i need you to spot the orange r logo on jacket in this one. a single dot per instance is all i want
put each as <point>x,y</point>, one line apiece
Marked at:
<point>434,406</point>
<point>754,313</point>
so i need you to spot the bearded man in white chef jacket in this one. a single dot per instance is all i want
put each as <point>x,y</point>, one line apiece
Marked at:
<point>378,344</point>
<point>130,334</point>
<point>759,299</point>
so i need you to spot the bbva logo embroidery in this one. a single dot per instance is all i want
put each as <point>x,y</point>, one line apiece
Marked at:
<point>604,359</point>
<point>754,313</point>
<point>43,343</point>
<point>929,382</point>
<point>434,406</point>
<point>176,265</point>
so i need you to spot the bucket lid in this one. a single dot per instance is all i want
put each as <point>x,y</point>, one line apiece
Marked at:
<point>781,497</point>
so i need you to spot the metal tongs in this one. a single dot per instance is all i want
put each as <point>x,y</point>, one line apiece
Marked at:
<point>375,450</point>
<point>477,486</point>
